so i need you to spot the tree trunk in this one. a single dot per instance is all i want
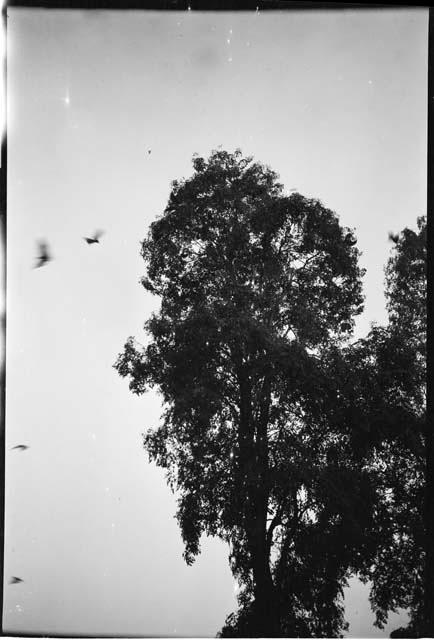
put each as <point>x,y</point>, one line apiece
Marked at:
<point>266,612</point>
<point>253,485</point>
<point>265,605</point>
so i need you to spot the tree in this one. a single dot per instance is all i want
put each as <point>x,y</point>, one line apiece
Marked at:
<point>393,359</point>
<point>258,290</point>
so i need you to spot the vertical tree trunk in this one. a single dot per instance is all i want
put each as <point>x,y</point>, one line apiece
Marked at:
<point>266,620</point>
<point>253,484</point>
<point>265,597</point>
<point>265,605</point>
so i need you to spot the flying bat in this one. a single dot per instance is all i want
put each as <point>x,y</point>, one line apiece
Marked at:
<point>15,580</point>
<point>21,447</point>
<point>44,256</point>
<point>95,238</point>
<point>393,237</point>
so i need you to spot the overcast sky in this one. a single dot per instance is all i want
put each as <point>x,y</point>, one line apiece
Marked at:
<point>335,102</point>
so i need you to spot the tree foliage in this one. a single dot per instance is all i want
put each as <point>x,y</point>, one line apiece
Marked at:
<point>258,291</point>
<point>394,359</point>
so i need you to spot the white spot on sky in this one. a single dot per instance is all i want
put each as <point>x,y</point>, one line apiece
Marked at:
<point>229,59</point>
<point>230,31</point>
<point>93,436</point>
<point>369,81</point>
<point>67,99</point>
<point>19,608</point>
<point>248,43</point>
<point>113,525</point>
<point>228,41</point>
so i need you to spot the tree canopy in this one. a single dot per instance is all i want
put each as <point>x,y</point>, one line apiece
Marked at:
<point>398,418</point>
<point>256,288</point>
<point>276,430</point>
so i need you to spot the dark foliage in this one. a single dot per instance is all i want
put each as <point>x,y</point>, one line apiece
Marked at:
<point>394,362</point>
<point>258,292</point>
<point>303,452</point>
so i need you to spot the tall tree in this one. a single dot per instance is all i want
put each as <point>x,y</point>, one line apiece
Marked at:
<point>393,359</point>
<point>257,290</point>
<point>406,280</point>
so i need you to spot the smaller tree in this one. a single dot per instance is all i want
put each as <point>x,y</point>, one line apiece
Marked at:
<point>393,360</point>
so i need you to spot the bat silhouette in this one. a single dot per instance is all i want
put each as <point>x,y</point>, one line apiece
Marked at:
<point>149,151</point>
<point>21,447</point>
<point>393,237</point>
<point>15,580</point>
<point>44,256</point>
<point>96,236</point>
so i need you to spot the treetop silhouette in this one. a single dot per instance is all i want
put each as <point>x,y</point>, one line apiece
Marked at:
<point>258,291</point>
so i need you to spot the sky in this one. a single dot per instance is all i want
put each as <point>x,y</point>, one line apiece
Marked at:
<point>334,101</point>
